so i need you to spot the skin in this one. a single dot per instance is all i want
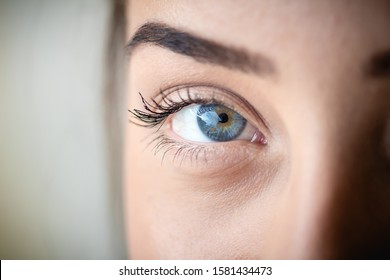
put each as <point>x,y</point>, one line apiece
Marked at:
<point>319,188</point>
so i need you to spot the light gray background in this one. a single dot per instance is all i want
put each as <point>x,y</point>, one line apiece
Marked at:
<point>56,196</point>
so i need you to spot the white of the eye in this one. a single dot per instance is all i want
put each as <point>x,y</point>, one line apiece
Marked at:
<point>185,124</point>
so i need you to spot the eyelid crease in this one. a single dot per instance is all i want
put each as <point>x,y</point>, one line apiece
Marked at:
<point>214,91</point>
<point>163,105</point>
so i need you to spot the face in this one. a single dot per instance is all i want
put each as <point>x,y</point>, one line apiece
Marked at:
<point>265,130</point>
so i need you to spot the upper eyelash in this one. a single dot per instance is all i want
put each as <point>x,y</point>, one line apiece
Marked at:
<point>160,107</point>
<point>157,112</point>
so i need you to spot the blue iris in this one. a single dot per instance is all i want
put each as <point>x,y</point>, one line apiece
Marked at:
<point>220,123</point>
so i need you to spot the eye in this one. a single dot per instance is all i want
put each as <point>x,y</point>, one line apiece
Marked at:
<point>212,123</point>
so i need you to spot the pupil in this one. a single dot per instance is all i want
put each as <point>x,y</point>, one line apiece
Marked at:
<point>223,118</point>
<point>219,123</point>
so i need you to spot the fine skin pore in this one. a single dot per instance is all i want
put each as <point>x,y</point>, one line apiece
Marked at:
<point>319,186</point>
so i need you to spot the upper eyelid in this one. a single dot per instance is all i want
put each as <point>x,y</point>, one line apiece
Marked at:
<point>236,97</point>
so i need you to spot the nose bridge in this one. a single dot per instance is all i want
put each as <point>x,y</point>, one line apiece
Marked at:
<point>331,193</point>
<point>320,171</point>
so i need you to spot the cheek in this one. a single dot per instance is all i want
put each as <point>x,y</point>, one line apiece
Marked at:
<point>176,224</point>
<point>180,216</point>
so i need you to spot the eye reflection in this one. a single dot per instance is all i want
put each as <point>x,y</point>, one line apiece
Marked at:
<point>220,123</point>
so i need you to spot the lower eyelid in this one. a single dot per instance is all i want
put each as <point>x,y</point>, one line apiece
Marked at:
<point>209,156</point>
<point>205,158</point>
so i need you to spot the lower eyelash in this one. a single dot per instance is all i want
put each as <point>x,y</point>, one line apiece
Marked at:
<point>157,111</point>
<point>155,114</point>
<point>183,150</point>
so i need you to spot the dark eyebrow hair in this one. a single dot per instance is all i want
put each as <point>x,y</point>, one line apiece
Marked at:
<point>202,50</point>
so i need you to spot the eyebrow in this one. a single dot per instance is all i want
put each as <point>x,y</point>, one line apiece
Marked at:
<point>200,49</point>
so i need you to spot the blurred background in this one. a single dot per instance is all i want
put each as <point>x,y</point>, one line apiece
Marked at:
<point>60,137</point>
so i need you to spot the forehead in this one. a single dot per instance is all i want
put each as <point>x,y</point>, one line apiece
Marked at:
<point>281,24</point>
<point>318,40</point>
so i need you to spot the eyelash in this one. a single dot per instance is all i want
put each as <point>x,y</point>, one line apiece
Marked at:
<point>157,111</point>
<point>155,115</point>
<point>182,150</point>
